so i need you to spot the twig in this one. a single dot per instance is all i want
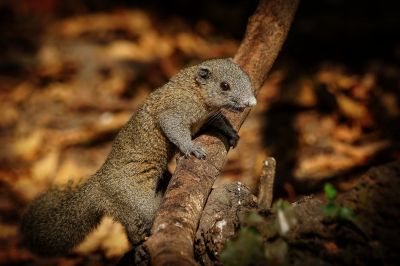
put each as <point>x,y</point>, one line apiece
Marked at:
<point>266,188</point>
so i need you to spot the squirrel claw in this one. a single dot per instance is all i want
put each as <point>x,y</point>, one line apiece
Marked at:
<point>233,140</point>
<point>197,151</point>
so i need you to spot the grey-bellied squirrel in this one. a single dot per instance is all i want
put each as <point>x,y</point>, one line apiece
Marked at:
<point>130,184</point>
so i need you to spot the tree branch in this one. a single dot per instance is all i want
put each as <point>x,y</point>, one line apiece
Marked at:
<point>173,231</point>
<point>316,237</point>
<point>266,187</point>
<point>220,219</point>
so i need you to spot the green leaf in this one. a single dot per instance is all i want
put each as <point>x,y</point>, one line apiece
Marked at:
<point>346,213</point>
<point>331,210</point>
<point>253,218</point>
<point>281,204</point>
<point>330,192</point>
<point>246,249</point>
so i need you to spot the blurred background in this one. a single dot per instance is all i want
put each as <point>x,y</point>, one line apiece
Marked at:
<point>73,72</point>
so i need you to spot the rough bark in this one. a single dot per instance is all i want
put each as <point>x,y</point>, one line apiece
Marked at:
<point>221,215</point>
<point>173,231</point>
<point>220,220</point>
<point>266,187</point>
<point>371,238</point>
<point>314,237</point>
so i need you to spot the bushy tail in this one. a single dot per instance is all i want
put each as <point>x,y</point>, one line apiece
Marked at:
<point>59,219</point>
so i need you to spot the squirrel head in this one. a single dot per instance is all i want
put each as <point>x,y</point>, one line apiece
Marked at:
<point>225,85</point>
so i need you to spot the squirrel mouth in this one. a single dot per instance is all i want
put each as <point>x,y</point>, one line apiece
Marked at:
<point>235,109</point>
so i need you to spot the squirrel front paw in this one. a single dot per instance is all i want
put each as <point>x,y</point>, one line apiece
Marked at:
<point>233,139</point>
<point>195,150</point>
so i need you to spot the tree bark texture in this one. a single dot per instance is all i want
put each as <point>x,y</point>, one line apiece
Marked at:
<point>266,187</point>
<point>174,228</point>
<point>221,219</point>
<point>371,238</point>
<point>225,206</point>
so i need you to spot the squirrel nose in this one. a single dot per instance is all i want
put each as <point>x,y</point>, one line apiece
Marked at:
<point>251,102</point>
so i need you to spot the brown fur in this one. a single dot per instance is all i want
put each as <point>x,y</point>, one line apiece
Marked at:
<point>127,186</point>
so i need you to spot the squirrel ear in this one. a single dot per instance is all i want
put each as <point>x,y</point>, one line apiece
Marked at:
<point>203,73</point>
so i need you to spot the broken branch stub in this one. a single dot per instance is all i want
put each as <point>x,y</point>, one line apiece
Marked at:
<point>266,186</point>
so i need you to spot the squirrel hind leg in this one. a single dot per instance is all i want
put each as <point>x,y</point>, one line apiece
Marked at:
<point>137,218</point>
<point>134,201</point>
<point>136,231</point>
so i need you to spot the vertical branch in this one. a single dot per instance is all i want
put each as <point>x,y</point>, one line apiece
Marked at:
<point>174,228</point>
<point>266,31</point>
<point>266,187</point>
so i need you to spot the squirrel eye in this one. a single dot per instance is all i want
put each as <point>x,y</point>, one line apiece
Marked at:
<point>225,86</point>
